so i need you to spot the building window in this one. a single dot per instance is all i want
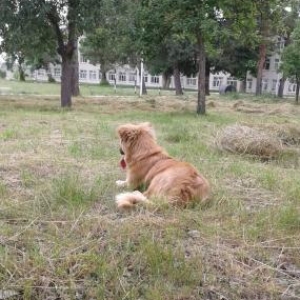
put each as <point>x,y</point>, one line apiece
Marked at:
<point>57,72</point>
<point>132,77</point>
<point>122,76</point>
<point>217,81</point>
<point>191,81</point>
<point>249,84</point>
<point>232,81</point>
<point>111,76</point>
<point>92,75</point>
<point>267,64</point>
<point>83,59</point>
<point>265,85</point>
<point>276,64</point>
<point>155,79</point>
<point>82,74</point>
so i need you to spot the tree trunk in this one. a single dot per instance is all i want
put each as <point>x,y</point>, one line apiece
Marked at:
<point>50,77</point>
<point>67,51</point>
<point>166,80</point>
<point>66,81</point>
<point>177,82</point>
<point>201,75</point>
<point>281,87</point>
<point>207,73</point>
<point>103,70</point>
<point>21,73</point>
<point>243,86</point>
<point>75,73</point>
<point>144,89</point>
<point>48,71</point>
<point>260,67</point>
<point>297,91</point>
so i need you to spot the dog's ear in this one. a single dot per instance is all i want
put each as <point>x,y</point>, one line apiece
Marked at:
<point>127,132</point>
<point>149,128</point>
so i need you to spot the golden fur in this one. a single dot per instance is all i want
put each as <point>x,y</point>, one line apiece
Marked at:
<point>148,165</point>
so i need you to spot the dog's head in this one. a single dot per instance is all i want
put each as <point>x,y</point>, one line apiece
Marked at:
<point>130,134</point>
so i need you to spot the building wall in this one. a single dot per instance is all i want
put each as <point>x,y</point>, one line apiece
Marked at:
<point>127,76</point>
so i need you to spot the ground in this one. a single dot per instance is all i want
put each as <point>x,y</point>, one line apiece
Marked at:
<point>61,236</point>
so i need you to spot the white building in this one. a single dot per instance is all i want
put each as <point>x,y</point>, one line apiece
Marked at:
<point>128,76</point>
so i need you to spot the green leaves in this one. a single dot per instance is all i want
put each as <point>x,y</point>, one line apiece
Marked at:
<point>291,55</point>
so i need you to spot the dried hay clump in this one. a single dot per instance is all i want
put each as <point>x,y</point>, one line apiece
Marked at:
<point>249,108</point>
<point>246,140</point>
<point>289,134</point>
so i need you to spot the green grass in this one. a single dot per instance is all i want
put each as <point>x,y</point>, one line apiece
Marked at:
<point>53,89</point>
<point>62,237</point>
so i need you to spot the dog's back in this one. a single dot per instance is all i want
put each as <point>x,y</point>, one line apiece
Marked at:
<point>178,182</point>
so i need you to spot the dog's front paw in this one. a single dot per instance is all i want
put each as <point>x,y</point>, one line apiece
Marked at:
<point>121,183</point>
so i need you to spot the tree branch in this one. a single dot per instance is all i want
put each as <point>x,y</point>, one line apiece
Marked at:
<point>54,20</point>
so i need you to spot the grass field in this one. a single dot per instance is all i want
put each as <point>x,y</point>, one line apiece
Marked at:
<point>61,236</point>
<point>53,89</point>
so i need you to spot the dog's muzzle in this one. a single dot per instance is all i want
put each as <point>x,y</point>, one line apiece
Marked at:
<point>122,152</point>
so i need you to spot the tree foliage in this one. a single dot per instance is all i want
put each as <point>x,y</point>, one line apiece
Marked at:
<point>47,25</point>
<point>291,59</point>
<point>103,42</point>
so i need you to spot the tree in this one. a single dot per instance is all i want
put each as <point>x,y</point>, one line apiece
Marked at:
<point>197,21</point>
<point>175,55</point>
<point>101,43</point>
<point>18,46</point>
<point>291,60</point>
<point>289,19</point>
<point>269,13</point>
<point>65,19</point>
<point>98,47</point>
<point>236,59</point>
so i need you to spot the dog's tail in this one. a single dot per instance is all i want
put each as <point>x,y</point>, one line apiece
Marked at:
<point>130,199</point>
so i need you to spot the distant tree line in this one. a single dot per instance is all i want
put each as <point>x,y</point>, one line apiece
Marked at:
<point>172,37</point>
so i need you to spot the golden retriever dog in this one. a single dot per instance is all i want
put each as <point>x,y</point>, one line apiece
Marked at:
<point>149,165</point>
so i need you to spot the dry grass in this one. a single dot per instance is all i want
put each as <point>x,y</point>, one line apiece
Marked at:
<point>62,238</point>
<point>246,140</point>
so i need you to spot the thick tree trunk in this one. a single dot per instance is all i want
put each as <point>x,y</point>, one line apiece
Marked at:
<point>75,73</point>
<point>260,67</point>
<point>177,82</point>
<point>281,87</point>
<point>201,76</point>
<point>67,50</point>
<point>166,80</point>
<point>66,81</point>
<point>207,73</point>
